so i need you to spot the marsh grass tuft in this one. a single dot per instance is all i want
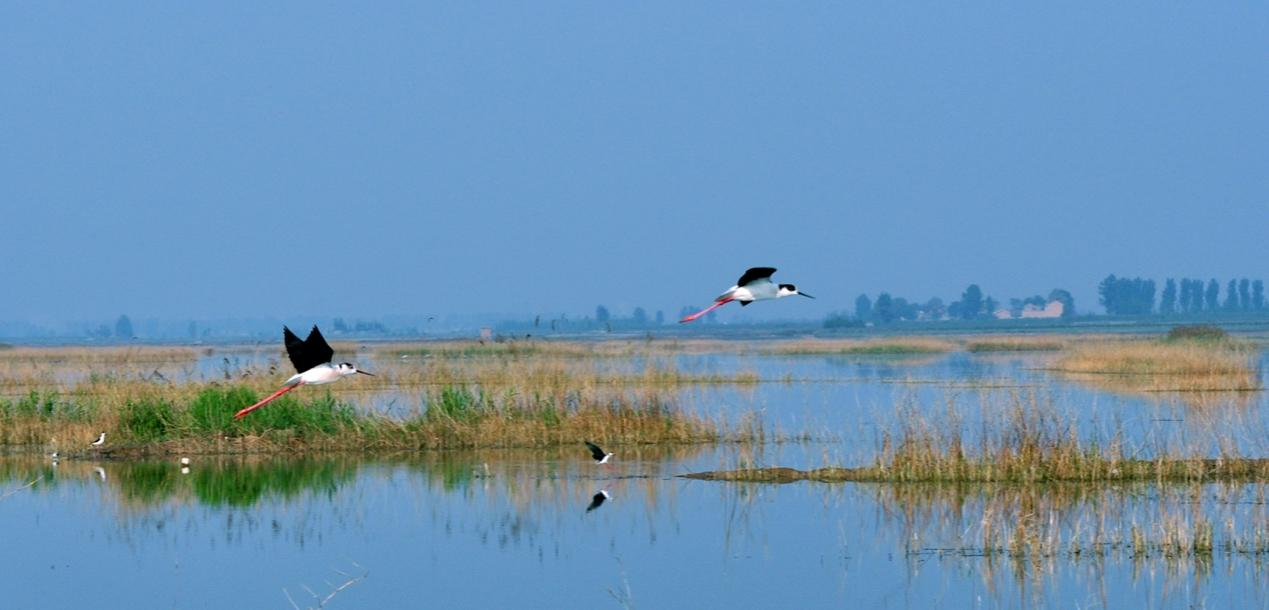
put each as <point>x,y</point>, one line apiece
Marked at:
<point>896,346</point>
<point>1016,343</point>
<point>1025,440</point>
<point>451,416</point>
<point>1163,366</point>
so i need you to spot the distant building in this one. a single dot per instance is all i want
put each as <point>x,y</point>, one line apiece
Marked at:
<point>486,333</point>
<point>1052,309</point>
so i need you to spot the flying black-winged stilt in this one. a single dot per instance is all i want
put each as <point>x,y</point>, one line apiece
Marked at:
<point>312,360</point>
<point>598,500</point>
<point>754,285</point>
<point>101,440</point>
<point>601,457</point>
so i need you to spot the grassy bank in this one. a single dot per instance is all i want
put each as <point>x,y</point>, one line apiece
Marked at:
<point>450,417</point>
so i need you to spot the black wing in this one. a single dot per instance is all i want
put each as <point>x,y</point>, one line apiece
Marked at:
<point>596,501</point>
<point>308,353</point>
<point>595,451</point>
<point>755,273</point>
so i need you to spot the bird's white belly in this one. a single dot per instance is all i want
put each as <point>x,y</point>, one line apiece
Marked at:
<point>760,292</point>
<point>319,375</point>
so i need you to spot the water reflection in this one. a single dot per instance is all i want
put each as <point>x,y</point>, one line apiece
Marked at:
<point>423,525</point>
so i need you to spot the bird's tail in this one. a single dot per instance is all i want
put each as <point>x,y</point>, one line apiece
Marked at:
<point>716,305</point>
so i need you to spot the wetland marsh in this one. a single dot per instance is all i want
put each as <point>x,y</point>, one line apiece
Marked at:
<point>999,476</point>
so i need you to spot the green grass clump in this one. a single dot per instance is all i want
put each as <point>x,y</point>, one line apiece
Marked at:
<point>46,406</point>
<point>898,346</point>
<point>1015,344</point>
<point>1202,333</point>
<point>148,419</point>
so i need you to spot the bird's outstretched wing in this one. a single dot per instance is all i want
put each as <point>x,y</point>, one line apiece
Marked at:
<point>595,451</point>
<point>756,273</point>
<point>308,353</point>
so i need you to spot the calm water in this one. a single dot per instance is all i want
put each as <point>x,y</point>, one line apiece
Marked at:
<point>511,529</point>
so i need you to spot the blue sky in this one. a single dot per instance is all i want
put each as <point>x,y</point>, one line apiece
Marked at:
<point>238,160</point>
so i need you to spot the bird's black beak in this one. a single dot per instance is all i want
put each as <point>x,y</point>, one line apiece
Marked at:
<point>806,295</point>
<point>365,373</point>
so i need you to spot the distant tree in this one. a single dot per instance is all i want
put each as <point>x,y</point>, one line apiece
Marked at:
<point>192,329</point>
<point>863,307</point>
<point>340,325</point>
<point>1068,301</point>
<point>1231,295</point>
<point>1258,295</point>
<point>1184,305</point>
<point>1211,300</point>
<point>1107,294</point>
<point>1244,294</point>
<point>660,317</point>
<point>841,320</point>
<point>601,314</point>
<point>1123,296</point>
<point>971,302</point>
<point>123,328</point>
<point>883,309</point>
<point>1167,302</point>
<point>640,316</point>
<point>934,309</point>
<point>954,310</point>
<point>990,306</point>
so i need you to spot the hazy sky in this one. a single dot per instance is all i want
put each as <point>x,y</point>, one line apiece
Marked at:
<point>202,160</point>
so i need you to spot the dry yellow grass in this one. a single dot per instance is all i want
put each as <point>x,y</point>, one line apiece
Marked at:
<point>1158,366</point>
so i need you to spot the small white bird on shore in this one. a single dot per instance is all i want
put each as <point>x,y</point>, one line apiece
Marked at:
<point>101,440</point>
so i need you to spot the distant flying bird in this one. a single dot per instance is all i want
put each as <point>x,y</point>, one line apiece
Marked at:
<point>754,285</point>
<point>600,456</point>
<point>101,440</point>
<point>312,360</point>
<point>598,500</point>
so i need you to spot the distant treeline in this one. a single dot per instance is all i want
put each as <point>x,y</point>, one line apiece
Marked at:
<point>973,305</point>
<point>1123,296</point>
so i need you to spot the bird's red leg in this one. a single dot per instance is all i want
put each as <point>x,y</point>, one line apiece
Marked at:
<point>243,413</point>
<point>702,312</point>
